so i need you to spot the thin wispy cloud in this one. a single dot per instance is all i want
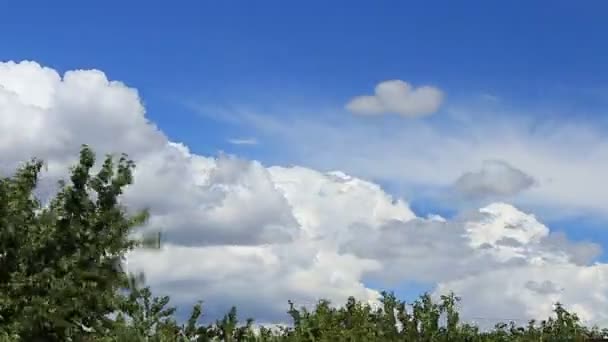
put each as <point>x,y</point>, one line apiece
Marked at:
<point>418,154</point>
<point>244,141</point>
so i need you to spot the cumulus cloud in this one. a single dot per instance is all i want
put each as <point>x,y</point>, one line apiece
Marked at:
<point>397,97</point>
<point>499,259</point>
<point>495,179</point>
<point>259,279</point>
<point>191,194</point>
<point>238,232</point>
<point>63,112</point>
<point>48,115</point>
<point>228,223</point>
<point>525,292</point>
<point>304,269</point>
<point>428,250</point>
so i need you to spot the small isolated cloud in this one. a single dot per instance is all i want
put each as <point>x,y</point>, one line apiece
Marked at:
<point>496,178</point>
<point>398,97</point>
<point>243,141</point>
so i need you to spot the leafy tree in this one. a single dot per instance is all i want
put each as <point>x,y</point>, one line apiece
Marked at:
<point>58,266</point>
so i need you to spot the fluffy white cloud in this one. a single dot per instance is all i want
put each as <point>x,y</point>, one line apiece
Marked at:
<point>238,232</point>
<point>204,201</point>
<point>429,250</point>
<point>49,115</point>
<point>259,279</point>
<point>525,292</point>
<point>227,222</point>
<point>398,97</point>
<point>495,179</point>
<point>502,262</point>
<point>326,203</point>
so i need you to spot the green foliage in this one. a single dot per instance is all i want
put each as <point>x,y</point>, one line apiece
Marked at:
<point>425,320</point>
<point>58,275</point>
<point>61,280</point>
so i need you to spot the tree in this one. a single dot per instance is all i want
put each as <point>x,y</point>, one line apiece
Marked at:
<point>58,262</point>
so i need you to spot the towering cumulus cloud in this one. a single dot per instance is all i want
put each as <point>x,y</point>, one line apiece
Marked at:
<point>238,232</point>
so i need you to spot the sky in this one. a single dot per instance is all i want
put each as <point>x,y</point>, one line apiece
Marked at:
<point>339,147</point>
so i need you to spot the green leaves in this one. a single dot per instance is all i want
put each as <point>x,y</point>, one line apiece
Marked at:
<point>423,320</point>
<point>58,274</point>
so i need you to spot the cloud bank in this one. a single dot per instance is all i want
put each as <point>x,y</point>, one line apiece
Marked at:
<point>238,232</point>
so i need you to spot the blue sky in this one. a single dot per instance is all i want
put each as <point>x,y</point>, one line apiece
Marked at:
<point>545,53</point>
<point>219,51</point>
<point>222,49</point>
<point>281,73</point>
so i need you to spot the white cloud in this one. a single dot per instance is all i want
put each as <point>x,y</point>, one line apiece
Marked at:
<point>507,292</point>
<point>326,203</point>
<point>304,269</point>
<point>238,232</point>
<point>398,97</point>
<point>45,114</point>
<point>216,213</point>
<point>566,160</point>
<point>259,279</point>
<point>501,261</point>
<point>429,250</point>
<point>189,194</point>
<point>505,222</point>
<point>495,179</point>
